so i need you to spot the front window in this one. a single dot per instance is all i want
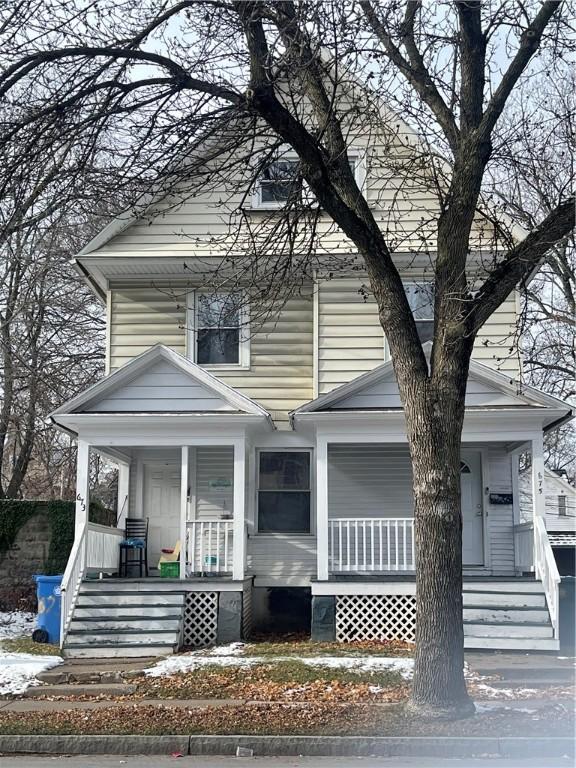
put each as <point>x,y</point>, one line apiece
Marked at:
<point>421,300</point>
<point>218,329</point>
<point>284,492</point>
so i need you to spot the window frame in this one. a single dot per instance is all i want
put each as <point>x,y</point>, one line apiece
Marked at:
<point>312,480</point>
<point>354,154</point>
<point>192,326</point>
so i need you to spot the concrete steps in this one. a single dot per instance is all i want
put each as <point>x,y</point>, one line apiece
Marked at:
<point>507,615</point>
<point>123,618</point>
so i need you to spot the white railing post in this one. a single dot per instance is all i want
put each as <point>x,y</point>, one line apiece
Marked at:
<point>322,508</point>
<point>183,509</point>
<point>239,513</point>
<point>123,492</point>
<point>82,487</point>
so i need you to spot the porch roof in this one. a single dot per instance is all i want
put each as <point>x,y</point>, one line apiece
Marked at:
<point>487,391</point>
<point>159,383</point>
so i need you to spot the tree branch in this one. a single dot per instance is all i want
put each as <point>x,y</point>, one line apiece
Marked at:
<point>521,261</point>
<point>413,68</point>
<point>13,74</point>
<point>529,43</point>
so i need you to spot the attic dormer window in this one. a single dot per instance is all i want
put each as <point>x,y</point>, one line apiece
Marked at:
<point>280,181</point>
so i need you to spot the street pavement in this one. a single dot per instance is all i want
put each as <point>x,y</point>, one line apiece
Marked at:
<point>139,761</point>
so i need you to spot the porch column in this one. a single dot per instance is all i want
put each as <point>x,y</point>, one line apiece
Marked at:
<point>183,510</point>
<point>538,495</point>
<point>123,491</point>
<point>322,508</point>
<point>82,487</point>
<point>239,519</point>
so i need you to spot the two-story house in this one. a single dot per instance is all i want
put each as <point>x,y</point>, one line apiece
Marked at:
<point>275,453</point>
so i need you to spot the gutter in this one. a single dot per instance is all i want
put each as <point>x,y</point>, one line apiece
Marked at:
<point>92,284</point>
<point>559,422</point>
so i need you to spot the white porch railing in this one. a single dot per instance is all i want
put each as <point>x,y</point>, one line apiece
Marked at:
<point>102,547</point>
<point>524,546</point>
<point>210,546</point>
<point>547,571</point>
<point>361,544</point>
<point>95,548</point>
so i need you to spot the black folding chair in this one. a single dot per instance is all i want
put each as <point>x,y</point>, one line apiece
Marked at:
<point>134,548</point>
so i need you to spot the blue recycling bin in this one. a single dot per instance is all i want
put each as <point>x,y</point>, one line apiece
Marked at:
<point>49,606</point>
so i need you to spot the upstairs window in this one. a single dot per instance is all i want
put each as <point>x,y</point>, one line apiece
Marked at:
<point>284,494</point>
<point>281,181</point>
<point>219,333</point>
<point>421,300</point>
<point>562,506</point>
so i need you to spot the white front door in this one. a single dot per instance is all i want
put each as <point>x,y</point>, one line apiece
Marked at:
<point>162,508</point>
<point>472,518</point>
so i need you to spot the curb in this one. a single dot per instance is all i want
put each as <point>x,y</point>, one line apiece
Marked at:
<point>279,746</point>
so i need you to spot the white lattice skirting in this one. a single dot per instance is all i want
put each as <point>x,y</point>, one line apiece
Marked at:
<point>200,623</point>
<point>375,617</point>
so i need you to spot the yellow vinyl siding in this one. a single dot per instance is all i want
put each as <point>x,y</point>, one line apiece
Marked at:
<point>280,373</point>
<point>351,340</point>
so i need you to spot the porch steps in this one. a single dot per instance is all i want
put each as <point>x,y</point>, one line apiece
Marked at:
<point>507,615</point>
<point>122,617</point>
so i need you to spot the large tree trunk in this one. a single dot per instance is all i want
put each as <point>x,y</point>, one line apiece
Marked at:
<point>434,424</point>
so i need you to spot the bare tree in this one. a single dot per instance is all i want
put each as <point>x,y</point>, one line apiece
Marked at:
<point>533,170</point>
<point>199,94</point>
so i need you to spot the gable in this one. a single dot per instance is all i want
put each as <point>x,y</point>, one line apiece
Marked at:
<point>161,388</point>
<point>378,390</point>
<point>385,394</point>
<point>160,381</point>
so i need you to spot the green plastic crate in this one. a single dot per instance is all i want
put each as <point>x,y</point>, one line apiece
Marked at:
<point>169,570</point>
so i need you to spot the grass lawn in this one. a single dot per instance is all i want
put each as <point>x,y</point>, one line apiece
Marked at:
<point>297,645</point>
<point>27,645</point>
<point>284,719</point>
<point>292,680</point>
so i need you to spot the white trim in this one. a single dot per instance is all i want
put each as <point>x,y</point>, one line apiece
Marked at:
<point>184,464</point>
<point>146,359</point>
<point>315,336</point>
<point>108,338</point>
<point>82,488</point>
<point>322,508</point>
<point>364,588</point>
<point>239,511</point>
<point>538,487</point>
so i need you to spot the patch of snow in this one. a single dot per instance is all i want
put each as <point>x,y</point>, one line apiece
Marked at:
<point>482,708</point>
<point>363,664</point>
<point>18,671</point>
<point>506,693</point>
<point>187,662</point>
<point>232,649</point>
<point>16,624</point>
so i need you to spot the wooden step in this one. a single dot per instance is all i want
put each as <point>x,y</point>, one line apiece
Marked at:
<point>120,650</point>
<point>506,615</point>
<point>142,599</point>
<point>472,642</point>
<point>130,585</point>
<point>127,623</point>
<point>503,599</point>
<point>513,586</point>
<point>105,610</point>
<point>103,637</point>
<point>526,630</point>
